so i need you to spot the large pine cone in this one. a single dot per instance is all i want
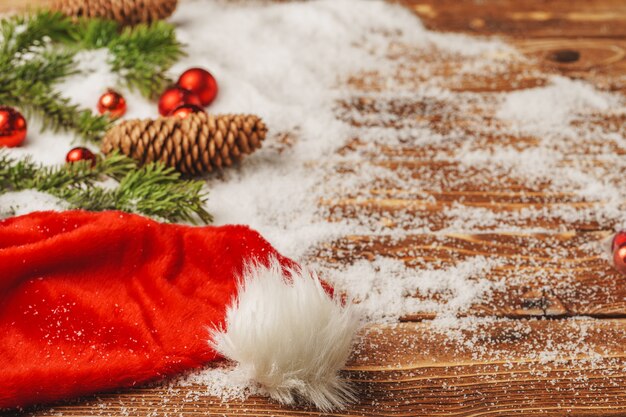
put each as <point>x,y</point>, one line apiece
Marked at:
<point>127,12</point>
<point>195,144</point>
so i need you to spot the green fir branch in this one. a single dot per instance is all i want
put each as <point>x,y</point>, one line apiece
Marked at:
<point>21,35</point>
<point>94,33</point>
<point>30,65</point>
<point>158,191</point>
<point>38,52</point>
<point>47,67</point>
<point>56,112</point>
<point>152,190</point>
<point>142,54</point>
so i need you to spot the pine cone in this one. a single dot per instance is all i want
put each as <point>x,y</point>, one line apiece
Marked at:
<point>127,12</point>
<point>195,144</point>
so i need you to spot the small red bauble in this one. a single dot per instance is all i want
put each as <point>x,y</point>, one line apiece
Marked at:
<point>174,97</point>
<point>112,103</point>
<point>12,127</point>
<point>619,259</point>
<point>619,240</point>
<point>200,82</point>
<point>80,154</point>
<point>186,109</point>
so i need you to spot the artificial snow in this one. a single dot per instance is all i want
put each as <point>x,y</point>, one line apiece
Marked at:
<point>23,202</point>
<point>555,105</point>
<point>294,64</point>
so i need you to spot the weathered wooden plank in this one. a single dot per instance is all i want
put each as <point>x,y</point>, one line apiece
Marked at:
<point>549,367</point>
<point>416,179</point>
<point>564,274</point>
<point>602,62</point>
<point>441,195</point>
<point>576,38</point>
<point>442,67</point>
<point>532,18</point>
<point>437,217</point>
<point>575,55</point>
<point>456,128</point>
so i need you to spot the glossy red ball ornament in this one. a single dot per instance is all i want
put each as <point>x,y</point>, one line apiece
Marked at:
<point>200,82</point>
<point>619,259</point>
<point>187,109</point>
<point>112,103</point>
<point>619,240</point>
<point>13,127</point>
<point>80,154</point>
<point>175,97</point>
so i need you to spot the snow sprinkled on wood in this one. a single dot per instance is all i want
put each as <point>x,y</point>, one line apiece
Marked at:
<point>412,197</point>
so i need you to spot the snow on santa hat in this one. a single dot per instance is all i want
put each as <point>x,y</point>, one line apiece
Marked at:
<point>98,301</point>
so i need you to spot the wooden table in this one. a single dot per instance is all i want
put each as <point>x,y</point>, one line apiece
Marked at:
<point>409,369</point>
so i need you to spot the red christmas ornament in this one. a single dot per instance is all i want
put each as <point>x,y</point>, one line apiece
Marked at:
<point>200,82</point>
<point>80,154</point>
<point>175,97</point>
<point>112,103</point>
<point>619,259</point>
<point>619,240</point>
<point>12,127</point>
<point>186,109</point>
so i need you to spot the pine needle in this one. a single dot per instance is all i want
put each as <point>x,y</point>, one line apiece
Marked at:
<point>152,190</point>
<point>30,65</point>
<point>38,51</point>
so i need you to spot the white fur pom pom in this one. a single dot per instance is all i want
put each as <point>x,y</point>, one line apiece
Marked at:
<point>289,336</point>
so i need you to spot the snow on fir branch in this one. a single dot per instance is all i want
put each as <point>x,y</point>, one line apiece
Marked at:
<point>152,190</point>
<point>140,54</point>
<point>37,51</point>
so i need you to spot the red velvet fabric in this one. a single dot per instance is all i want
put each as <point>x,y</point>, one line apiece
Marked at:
<point>98,301</point>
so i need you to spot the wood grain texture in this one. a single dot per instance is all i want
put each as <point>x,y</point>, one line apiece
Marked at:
<point>511,361</point>
<point>595,30</point>
<point>526,19</point>
<point>558,277</point>
<point>411,369</point>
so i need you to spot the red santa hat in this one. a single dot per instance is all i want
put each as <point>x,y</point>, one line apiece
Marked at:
<point>98,301</point>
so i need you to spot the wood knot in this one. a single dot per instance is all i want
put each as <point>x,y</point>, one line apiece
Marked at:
<point>537,302</point>
<point>533,303</point>
<point>564,56</point>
